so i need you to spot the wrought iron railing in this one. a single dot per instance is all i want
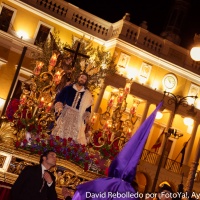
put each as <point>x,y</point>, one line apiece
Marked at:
<point>170,165</point>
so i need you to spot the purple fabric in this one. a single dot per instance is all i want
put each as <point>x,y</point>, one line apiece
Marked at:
<point>105,188</point>
<point>125,163</point>
<point>121,171</point>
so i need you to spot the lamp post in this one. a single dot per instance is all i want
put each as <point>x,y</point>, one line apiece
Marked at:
<point>192,172</point>
<point>195,51</point>
<point>195,55</point>
<point>176,100</point>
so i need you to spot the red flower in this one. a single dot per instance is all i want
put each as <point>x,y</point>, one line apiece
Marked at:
<point>58,149</point>
<point>38,140</point>
<point>43,144</point>
<point>85,166</point>
<point>106,171</point>
<point>96,162</point>
<point>77,159</point>
<point>51,144</point>
<point>25,141</point>
<point>64,151</point>
<point>57,138</point>
<point>87,158</point>
<point>12,108</point>
<point>64,141</point>
<point>17,144</point>
<point>91,156</point>
<point>69,139</point>
<point>40,152</point>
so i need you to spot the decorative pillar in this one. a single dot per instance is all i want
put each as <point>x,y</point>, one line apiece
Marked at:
<point>192,172</point>
<point>190,144</point>
<point>99,98</point>
<point>14,80</point>
<point>167,127</point>
<point>144,115</point>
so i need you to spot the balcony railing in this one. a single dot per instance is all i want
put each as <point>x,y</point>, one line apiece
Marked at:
<point>170,165</point>
<point>122,29</point>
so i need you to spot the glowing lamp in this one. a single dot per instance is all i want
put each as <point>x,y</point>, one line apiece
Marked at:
<point>195,53</point>
<point>159,115</point>
<point>22,34</point>
<point>188,121</point>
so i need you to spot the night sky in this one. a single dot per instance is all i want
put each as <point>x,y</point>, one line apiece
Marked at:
<point>155,12</point>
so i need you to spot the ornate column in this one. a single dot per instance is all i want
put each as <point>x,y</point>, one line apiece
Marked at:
<point>99,98</point>
<point>144,115</point>
<point>192,172</point>
<point>167,127</point>
<point>190,144</point>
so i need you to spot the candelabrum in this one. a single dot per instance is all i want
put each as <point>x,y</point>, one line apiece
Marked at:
<point>116,126</point>
<point>36,101</point>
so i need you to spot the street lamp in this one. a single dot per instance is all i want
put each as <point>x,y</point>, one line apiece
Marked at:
<point>195,51</point>
<point>176,100</point>
<point>195,55</point>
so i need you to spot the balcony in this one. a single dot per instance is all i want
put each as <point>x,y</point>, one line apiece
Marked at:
<point>74,17</point>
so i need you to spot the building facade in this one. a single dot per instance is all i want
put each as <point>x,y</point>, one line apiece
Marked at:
<point>154,64</point>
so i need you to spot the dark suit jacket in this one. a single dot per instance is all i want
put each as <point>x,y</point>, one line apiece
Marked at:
<point>28,185</point>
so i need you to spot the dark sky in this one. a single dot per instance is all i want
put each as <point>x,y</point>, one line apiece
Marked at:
<point>155,12</point>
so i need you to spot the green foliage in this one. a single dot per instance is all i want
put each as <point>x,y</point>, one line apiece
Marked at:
<point>99,64</point>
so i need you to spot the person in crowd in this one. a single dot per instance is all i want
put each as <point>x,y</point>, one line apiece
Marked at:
<point>36,182</point>
<point>165,192</point>
<point>67,193</point>
<point>73,106</point>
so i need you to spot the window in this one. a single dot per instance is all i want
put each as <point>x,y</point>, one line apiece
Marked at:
<point>5,18</point>
<point>42,34</point>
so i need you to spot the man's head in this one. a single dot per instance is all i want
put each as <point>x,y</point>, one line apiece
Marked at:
<point>82,79</point>
<point>165,192</point>
<point>48,159</point>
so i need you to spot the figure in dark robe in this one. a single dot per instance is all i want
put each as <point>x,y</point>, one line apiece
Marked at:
<point>73,106</point>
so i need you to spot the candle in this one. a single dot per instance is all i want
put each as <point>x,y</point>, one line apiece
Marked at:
<point>57,77</point>
<point>93,120</point>
<point>120,98</point>
<point>41,104</point>
<point>132,110</point>
<point>38,68</point>
<point>53,59</point>
<point>127,88</point>
<point>48,108</point>
<point>111,101</point>
<point>120,95</point>
<point>23,99</point>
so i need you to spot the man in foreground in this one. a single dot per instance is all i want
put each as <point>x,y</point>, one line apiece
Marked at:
<point>35,182</point>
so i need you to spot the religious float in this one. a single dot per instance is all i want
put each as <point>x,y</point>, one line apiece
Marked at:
<point>25,129</point>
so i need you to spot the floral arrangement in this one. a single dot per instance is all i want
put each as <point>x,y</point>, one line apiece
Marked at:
<point>109,150</point>
<point>23,121</point>
<point>64,148</point>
